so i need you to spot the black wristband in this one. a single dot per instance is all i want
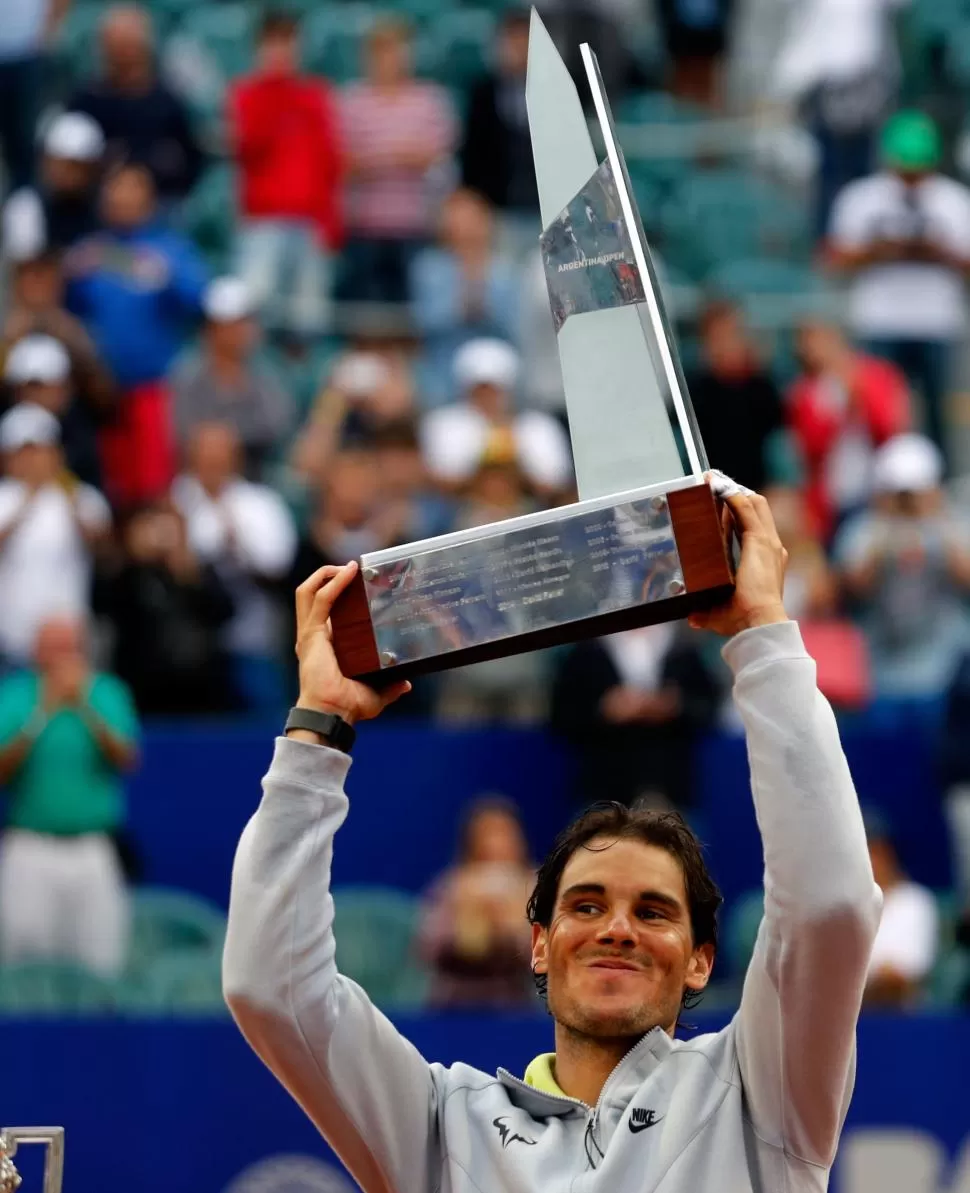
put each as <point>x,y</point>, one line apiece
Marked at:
<point>328,725</point>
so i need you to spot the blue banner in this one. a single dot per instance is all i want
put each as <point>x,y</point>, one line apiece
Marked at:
<point>176,1107</point>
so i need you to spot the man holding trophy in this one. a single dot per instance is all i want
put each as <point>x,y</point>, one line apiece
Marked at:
<point>623,913</point>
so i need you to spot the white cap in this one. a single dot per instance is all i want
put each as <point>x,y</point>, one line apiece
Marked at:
<point>486,362</point>
<point>226,300</point>
<point>908,463</point>
<point>37,358</point>
<point>74,136</point>
<point>28,423</point>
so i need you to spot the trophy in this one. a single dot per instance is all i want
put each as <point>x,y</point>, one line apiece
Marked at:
<point>644,542</point>
<point>12,1137</point>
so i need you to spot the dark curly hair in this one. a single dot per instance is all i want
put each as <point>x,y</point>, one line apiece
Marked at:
<point>665,830</point>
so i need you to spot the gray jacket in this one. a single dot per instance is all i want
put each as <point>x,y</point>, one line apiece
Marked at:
<point>756,1108</point>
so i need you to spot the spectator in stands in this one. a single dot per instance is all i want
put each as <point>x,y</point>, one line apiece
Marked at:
<point>840,65</point>
<point>283,127</point>
<point>27,29</point>
<point>398,133</point>
<point>36,308</point>
<point>736,402</point>
<point>473,931</point>
<point>955,774</point>
<point>455,439</point>
<point>903,235</point>
<point>138,287</point>
<point>50,526</point>
<point>168,610</point>
<point>364,392</point>
<point>632,706</point>
<point>226,381</point>
<point>907,942</point>
<point>906,563</point>
<point>460,291</point>
<point>38,370</point>
<point>496,154</point>
<point>810,589</point>
<point>245,531</point>
<point>696,33</point>
<point>406,489</point>
<point>843,406</point>
<point>68,734</point>
<point>350,517</point>
<point>63,208</point>
<point>142,120</point>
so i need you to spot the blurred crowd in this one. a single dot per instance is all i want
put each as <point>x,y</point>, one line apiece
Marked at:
<point>375,363</point>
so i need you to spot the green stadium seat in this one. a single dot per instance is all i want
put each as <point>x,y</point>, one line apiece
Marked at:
<point>375,929</point>
<point>209,215</point>
<point>333,38</point>
<point>167,922</point>
<point>226,31</point>
<point>76,51</point>
<point>52,988</point>
<point>717,216</point>
<point>741,926</point>
<point>464,38</point>
<point>188,983</point>
<point>657,107</point>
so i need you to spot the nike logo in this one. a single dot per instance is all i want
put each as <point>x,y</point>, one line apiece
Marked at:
<point>641,1119</point>
<point>503,1130</point>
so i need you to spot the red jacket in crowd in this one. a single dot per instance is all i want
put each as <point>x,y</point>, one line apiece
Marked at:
<point>286,139</point>
<point>876,403</point>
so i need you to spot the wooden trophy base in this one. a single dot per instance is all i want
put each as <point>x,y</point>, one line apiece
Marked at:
<point>578,571</point>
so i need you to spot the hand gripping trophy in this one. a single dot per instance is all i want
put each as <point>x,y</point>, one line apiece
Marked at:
<point>12,1137</point>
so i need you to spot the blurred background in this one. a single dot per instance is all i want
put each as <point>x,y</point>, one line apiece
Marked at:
<point>271,297</point>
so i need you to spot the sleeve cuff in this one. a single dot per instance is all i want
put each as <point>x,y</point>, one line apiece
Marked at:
<point>764,644</point>
<point>309,765</point>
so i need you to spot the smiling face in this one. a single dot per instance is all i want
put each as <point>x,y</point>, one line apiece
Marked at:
<point>619,950</point>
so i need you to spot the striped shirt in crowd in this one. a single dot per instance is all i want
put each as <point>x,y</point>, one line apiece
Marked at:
<point>395,201</point>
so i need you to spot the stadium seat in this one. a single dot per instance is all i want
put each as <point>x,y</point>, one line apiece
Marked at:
<point>51,988</point>
<point>741,925</point>
<point>167,922</point>
<point>226,33</point>
<point>375,929</point>
<point>464,40</point>
<point>178,984</point>
<point>208,215</point>
<point>716,216</point>
<point>333,36</point>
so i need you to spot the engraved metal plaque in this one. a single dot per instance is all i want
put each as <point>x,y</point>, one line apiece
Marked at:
<point>11,1138</point>
<point>520,576</point>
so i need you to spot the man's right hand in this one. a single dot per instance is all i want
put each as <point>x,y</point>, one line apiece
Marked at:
<point>322,685</point>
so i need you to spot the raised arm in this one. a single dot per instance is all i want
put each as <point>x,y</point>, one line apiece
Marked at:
<point>803,990</point>
<point>364,1086</point>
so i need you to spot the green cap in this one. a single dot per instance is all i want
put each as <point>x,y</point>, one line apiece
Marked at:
<point>911,141</point>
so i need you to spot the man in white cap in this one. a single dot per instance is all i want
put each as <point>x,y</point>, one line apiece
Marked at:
<point>226,380</point>
<point>63,208</point>
<point>906,561</point>
<point>50,523</point>
<point>38,369</point>
<point>455,439</point>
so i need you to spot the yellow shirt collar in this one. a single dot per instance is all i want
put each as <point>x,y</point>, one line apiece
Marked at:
<point>539,1074</point>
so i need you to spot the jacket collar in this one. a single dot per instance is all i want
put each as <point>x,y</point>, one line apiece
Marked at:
<point>632,1070</point>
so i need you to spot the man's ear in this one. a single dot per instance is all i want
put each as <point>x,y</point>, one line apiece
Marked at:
<point>540,941</point>
<point>699,967</point>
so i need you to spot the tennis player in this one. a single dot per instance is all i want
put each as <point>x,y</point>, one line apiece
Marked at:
<point>624,935</point>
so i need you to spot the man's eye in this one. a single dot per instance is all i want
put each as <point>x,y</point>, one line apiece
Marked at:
<point>586,908</point>
<point>648,913</point>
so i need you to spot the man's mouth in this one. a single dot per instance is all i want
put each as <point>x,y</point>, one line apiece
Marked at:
<point>614,963</point>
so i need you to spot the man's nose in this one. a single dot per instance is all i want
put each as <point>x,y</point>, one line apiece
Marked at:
<point>618,928</point>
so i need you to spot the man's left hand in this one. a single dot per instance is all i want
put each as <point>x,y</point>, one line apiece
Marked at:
<point>759,584</point>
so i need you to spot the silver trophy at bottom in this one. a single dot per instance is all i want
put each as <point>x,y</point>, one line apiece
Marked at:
<point>10,1140</point>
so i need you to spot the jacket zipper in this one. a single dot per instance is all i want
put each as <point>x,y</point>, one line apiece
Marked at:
<point>592,1112</point>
